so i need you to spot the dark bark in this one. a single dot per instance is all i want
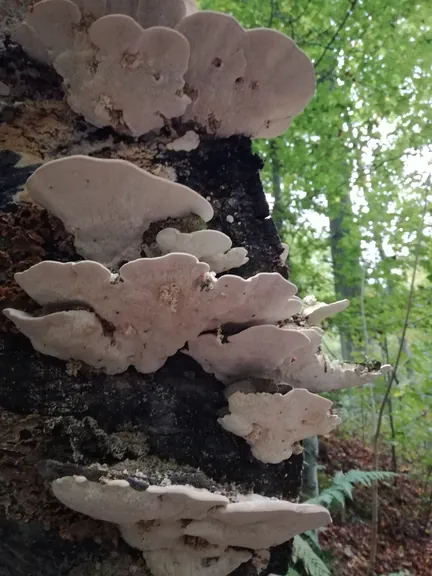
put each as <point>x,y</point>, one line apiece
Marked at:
<point>53,411</point>
<point>276,169</point>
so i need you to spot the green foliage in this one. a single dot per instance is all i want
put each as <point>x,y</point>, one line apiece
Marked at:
<point>306,548</point>
<point>343,484</point>
<point>311,562</point>
<point>352,169</point>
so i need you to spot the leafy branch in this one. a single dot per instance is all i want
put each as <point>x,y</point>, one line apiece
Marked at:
<point>391,380</point>
<point>336,34</point>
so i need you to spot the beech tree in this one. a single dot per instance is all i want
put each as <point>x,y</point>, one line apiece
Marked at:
<point>152,405</point>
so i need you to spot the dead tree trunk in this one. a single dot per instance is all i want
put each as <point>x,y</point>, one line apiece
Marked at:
<point>78,417</point>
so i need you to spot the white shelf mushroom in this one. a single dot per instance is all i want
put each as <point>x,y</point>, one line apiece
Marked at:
<point>234,258</point>
<point>316,312</point>
<point>52,26</point>
<point>282,354</point>
<point>253,352</point>
<point>259,524</point>
<point>202,243</point>
<point>273,423</point>
<point>185,531</point>
<point>118,502</point>
<point>317,373</point>
<point>209,246</point>
<point>129,78</point>
<point>108,204</point>
<point>144,314</point>
<point>243,82</point>
<point>124,65</point>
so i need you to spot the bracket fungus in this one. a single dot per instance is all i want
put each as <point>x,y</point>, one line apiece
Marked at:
<point>186,531</point>
<point>108,204</point>
<point>129,78</point>
<point>256,351</point>
<point>316,312</point>
<point>289,355</point>
<point>234,258</point>
<point>273,423</point>
<point>249,82</point>
<point>143,314</point>
<point>118,502</point>
<point>209,246</point>
<point>122,62</point>
<point>136,65</point>
<point>186,143</point>
<point>316,373</point>
<point>51,26</point>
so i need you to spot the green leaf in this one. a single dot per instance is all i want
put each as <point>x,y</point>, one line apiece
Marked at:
<point>342,486</point>
<point>292,572</point>
<point>312,563</point>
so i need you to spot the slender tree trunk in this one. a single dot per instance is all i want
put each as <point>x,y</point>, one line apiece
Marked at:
<point>393,434</point>
<point>310,475</point>
<point>345,250</point>
<point>50,411</point>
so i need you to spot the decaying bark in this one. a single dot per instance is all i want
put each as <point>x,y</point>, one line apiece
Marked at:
<point>64,412</point>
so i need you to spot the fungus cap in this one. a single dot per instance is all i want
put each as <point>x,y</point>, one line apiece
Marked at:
<point>210,246</point>
<point>108,204</point>
<point>317,312</point>
<point>51,26</point>
<point>130,78</point>
<point>234,258</point>
<point>143,314</point>
<point>243,82</point>
<point>259,350</point>
<point>258,524</point>
<point>288,355</point>
<point>273,423</point>
<point>202,243</point>
<point>118,502</point>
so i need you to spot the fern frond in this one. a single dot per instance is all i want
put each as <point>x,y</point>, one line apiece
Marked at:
<point>313,537</point>
<point>312,563</point>
<point>366,478</point>
<point>342,486</point>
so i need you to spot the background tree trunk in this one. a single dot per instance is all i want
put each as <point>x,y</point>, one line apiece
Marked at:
<point>54,411</point>
<point>346,251</point>
<point>310,485</point>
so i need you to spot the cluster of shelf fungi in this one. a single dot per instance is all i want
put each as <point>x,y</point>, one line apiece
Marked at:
<point>145,289</point>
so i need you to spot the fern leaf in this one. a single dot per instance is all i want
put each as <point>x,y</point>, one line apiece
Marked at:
<point>312,563</point>
<point>313,537</point>
<point>366,478</point>
<point>342,486</point>
<point>292,572</point>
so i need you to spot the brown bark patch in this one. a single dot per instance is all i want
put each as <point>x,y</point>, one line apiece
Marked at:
<point>27,236</point>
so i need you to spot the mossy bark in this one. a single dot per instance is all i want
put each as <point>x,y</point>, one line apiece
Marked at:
<point>65,412</point>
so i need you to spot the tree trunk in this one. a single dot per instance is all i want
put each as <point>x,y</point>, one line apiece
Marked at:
<point>310,476</point>
<point>346,251</point>
<point>55,416</point>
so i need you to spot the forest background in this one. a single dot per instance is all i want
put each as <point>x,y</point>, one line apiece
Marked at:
<point>350,188</point>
